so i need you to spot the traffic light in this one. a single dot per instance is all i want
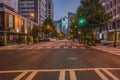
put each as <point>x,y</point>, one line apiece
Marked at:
<point>75,26</point>
<point>81,21</point>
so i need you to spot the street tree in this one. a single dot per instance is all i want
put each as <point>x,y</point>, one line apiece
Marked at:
<point>48,27</point>
<point>35,33</point>
<point>90,15</point>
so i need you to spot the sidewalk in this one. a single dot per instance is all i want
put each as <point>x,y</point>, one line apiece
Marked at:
<point>12,46</point>
<point>112,50</point>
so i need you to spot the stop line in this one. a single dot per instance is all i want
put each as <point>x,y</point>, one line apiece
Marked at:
<point>62,73</point>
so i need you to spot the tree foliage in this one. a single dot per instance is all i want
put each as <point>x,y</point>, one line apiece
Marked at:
<point>35,33</point>
<point>93,15</point>
<point>48,27</point>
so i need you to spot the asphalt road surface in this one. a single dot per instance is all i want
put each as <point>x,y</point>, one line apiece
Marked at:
<point>57,60</point>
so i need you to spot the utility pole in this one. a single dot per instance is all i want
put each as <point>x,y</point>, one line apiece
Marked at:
<point>115,34</point>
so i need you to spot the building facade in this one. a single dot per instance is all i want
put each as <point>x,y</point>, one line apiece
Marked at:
<point>64,25</point>
<point>57,24</point>
<point>27,7</point>
<point>49,9</point>
<point>106,33</point>
<point>11,3</point>
<point>70,15</point>
<point>14,27</point>
<point>33,9</point>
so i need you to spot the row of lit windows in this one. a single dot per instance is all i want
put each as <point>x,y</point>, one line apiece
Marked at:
<point>26,4</point>
<point>111,26</point>
<point>27,8</point>
<point>110,4</point>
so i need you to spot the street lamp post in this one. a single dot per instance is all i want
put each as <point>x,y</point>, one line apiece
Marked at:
<point>115,34</point>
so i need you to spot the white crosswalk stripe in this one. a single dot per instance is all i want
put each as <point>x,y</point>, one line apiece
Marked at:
<point>110,74</point>
<point>20,76</point>
<point>32,75</point>
<point>103,77</point>
<point>48,47</point>
<point>72,75</point>
<point>62,73</point>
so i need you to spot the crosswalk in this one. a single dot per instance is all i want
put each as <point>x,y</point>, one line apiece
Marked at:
<point>102,73</point>
<point>52,47</point>
<point>47,47</point>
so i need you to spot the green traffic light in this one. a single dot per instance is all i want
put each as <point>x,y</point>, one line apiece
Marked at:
<point>75,26</point>
<point>81,21</point>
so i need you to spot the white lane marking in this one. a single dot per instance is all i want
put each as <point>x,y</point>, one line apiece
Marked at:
<point>66,47</point>
<point>62,75</point>
<point>82,47</point>
<point>22,47</point>
<point>39,47</point>
<point>30,48</point>
<point>74,47</point>
<point>101,75</point>
<point>31,76</point>
<point>20,76</point>
<point>48,47</point>
<point>72,75</point>
<point>57,47</point>
<point>111,75</point>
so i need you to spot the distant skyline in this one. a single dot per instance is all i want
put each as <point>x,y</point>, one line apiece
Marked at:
<point>62,7</point>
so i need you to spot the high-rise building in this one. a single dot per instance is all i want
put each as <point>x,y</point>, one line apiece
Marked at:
<point>33,9</point>
<point>49,9</point>
<point>107,32</point>
<point>41,11</point>
<point>57,24</point>
<point>14,27</point>
<point>70,15</point>
<point>64,25</point>
<point>27,7</point>
<point>11,3</point>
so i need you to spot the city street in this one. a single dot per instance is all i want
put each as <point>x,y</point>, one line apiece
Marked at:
<point>57,60</point>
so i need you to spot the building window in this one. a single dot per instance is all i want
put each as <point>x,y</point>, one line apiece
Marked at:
<point>111,4</point>
<point>1,21</point>
<point>10,20</point>
<point>22,25</point>
<point>114,11</point>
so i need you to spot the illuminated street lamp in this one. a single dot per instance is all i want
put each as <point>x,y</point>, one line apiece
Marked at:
<point>32,14</point>
<point>48,27</point>
<point>79,32</point>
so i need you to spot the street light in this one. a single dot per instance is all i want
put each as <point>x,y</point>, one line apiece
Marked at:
<point>79,32</point>
<point>31,14</point>
<point>48,28</point>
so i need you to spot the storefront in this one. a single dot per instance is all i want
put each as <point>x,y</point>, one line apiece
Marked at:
<point>14,28</point>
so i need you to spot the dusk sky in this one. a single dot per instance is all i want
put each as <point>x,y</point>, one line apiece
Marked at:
<point>62,7</point>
